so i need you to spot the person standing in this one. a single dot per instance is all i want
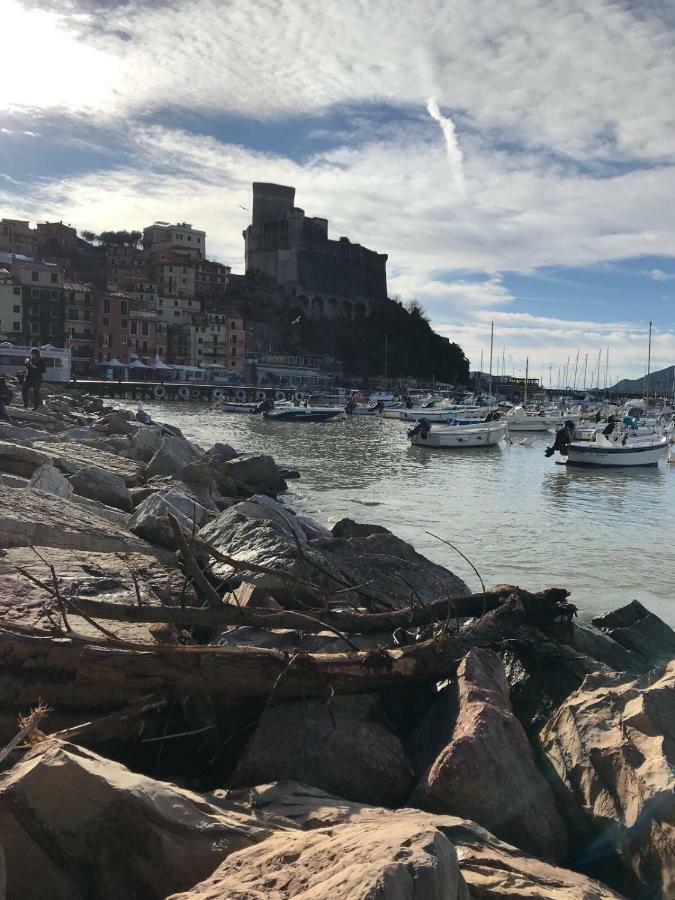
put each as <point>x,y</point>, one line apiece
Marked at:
<point>35,370</point>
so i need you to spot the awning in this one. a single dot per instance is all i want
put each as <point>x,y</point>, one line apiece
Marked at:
<point>136,364</point>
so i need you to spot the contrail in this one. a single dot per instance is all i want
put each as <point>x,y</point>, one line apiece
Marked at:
<point>455,155</point>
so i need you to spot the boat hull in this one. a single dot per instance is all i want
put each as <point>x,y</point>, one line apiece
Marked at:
<point>628,455</point>
<point>460,436</point>
<point>539,423</point>
<point>300,414</point>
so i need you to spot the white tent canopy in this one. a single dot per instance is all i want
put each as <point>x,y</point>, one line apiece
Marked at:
<point>113,363</point>
<point>137,364</point>
<point>160,365</point>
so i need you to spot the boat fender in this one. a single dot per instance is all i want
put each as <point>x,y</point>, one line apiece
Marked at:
<point>280,395</point>
<point>159,391</point>
<point>183,393</point>
<point>217,394</point>
<point>194,394</point>
<point>260,395</point>
<point>241,394</point>
<point>297,395</point>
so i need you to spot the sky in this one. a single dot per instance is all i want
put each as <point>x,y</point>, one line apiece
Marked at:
<point>516,161</point>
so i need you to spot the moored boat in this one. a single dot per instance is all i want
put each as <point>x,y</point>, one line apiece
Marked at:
<point>616,448</point>
<point>304,413</point>
<point>480,434</point>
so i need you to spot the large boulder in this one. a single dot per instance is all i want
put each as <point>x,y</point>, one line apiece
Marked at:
<point>384,569</point>
<point>145,443</point>
<point>150,519</point>
<point>388,859</point>
<point>330,748</point>
<point>117,422</point>
<point>492,870</point>
<point>641,632</point>
<point>106,487</point>
<point>172,454</point>
<point>257,471</point>
<point>33,518</point>
<point>48,479</point>
<point>21,434</point>
<point>19,459</point>
<point>611,748</point>
<point>71,457</point>
<point>486,771</point>
<point>75,826</point>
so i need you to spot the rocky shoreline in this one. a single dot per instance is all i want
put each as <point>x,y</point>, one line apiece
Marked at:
<point>205,695</point>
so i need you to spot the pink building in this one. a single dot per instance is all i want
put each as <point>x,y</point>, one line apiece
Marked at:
<point>125,328</point>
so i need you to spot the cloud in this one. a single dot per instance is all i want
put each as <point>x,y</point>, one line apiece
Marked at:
<point>660,275</point>
<point>453,150</point>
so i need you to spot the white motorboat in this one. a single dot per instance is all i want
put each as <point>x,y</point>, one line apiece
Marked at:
<point>520,419</point>
<point>226,406</point>
<point>481,434</point>
<point>617,449</point>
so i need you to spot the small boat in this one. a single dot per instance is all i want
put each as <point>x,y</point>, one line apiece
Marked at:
<point>304,413</point>
<point>231,407</point>
<point>617,449</point>
<point>520,419</point>
<point>481,434</point>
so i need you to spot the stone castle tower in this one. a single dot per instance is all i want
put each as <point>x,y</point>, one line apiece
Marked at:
<point>329,279</point>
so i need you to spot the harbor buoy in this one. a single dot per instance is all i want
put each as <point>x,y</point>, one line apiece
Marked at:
<point>241,394</point>
<point>194,394</point>
<point>280,395</point>
<point>217,394</point>
<point>183,393</point>
<point>298,395</point>
<point>260,395</point>
<point>159,391</point>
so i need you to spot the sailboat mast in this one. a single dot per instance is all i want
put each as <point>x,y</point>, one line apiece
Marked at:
<point>606,369</point>
<point>585,370</point>
<point>386,355</point>
<point>492,337</point>
<point>649,361</point>
<point>527,370</point>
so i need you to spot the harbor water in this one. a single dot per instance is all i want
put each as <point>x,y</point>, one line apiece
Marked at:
<point>605,534</point>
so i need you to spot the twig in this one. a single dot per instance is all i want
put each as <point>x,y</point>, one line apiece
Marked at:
<point>457,550</point>
<point>57,593</point>
<point>27,727</point>
<point>191,567</point>
<point>238,564</point>
<point>179,734</point>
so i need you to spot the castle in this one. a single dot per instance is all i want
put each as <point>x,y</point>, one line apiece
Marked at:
<point>328,279</point>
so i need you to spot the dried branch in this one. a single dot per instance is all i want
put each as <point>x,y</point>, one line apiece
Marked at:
<point>27,726</point>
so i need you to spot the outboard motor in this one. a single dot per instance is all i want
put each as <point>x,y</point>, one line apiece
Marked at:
<point>408,403</point>
<point>350,406</point>
<point>493,416</point>
<point>266,405</point>
<point>630,422</point>
<point>563,438</point>
<point>421,427</point>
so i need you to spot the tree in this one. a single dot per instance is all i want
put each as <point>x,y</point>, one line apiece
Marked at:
<point>89,236</point>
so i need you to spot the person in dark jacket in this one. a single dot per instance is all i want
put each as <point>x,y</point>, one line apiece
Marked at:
<point>35,370</point>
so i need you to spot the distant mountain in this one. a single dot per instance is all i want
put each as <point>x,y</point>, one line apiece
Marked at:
<point>660,382</point>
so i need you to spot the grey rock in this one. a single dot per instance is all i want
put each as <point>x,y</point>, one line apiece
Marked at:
<point>99,484</point>
<point>48,478</point>
<point>150,518</point>
<point>18,459</point>
<point>258,471</point>
<point>357,759</point>
<point>21,434</point>
<point>173,453</point>
<point>71,457</point>
<point>640,631</point>
<point>145,443</point>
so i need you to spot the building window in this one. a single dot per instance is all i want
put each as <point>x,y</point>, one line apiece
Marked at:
<point>17,308</point>
<point>145,346</point>
<point>87,315</point>
<point>200,340</point>
<point>124,308</point>
<point>177,313</point>
<point>134,326</point>
<point>56,295</point>
<point>234,326</point>
<point>35,293</point>
<point>35,328</point>
<point>35,276</point>
<point>17,326</point>
<point>144,328</point>
<point>106,305</point>
<point>124,323</point>
<point>123,340</point>
<point>106,321</point>
<point>234,339</point>
<point>17,290</point>
<point>54,312</point>
<point>35,309</point>
<point>55,278</point>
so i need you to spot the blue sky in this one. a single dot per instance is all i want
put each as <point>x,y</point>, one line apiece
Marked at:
<point>516,161</point>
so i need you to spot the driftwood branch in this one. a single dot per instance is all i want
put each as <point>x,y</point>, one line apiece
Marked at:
<point>28,726</point>
<point>192,569</point>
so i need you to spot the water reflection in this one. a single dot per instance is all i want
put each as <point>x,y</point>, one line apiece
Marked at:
<point>519,517</point>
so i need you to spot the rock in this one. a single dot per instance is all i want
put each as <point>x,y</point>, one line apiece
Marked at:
<point>150,518</point>
<point>17,459</point>
<point>395,859</point>
<point>117,444</point>
<point>262,531</point>
<point>71,457</point>
<point>220,453</point>
<point>259,472</point>
<point>79,434</point>
<point>117,422</point>
<point>32,518</point>
<point>486,771</point>
<point>21,434</point>
<point>331,749</point>
<point>145,443</point>
<point>3,876</point>
<point>96,576</point>
<point>48,479</point>
<point>173,453</point>
<point>348,528</point>
<point>491,869</point>
<point>611,747</point>
<point>109,513</point>
<point>99,484</point>
<point>13,481</point>
<point>75,826</point>
<point>640,631</point>
<point>595,644</point>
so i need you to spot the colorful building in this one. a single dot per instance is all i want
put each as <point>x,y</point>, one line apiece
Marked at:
<point>42,294</point>
<point>79,323</point>
<point>11,309</point>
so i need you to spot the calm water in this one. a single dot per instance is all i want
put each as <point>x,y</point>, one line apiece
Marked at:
<point>606,535</point>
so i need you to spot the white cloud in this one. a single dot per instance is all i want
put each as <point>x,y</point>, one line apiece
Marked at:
<point>453,150</point>
<point>660,275</point>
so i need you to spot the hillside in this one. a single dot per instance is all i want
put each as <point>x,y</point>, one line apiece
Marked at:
<point>660,382</point>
